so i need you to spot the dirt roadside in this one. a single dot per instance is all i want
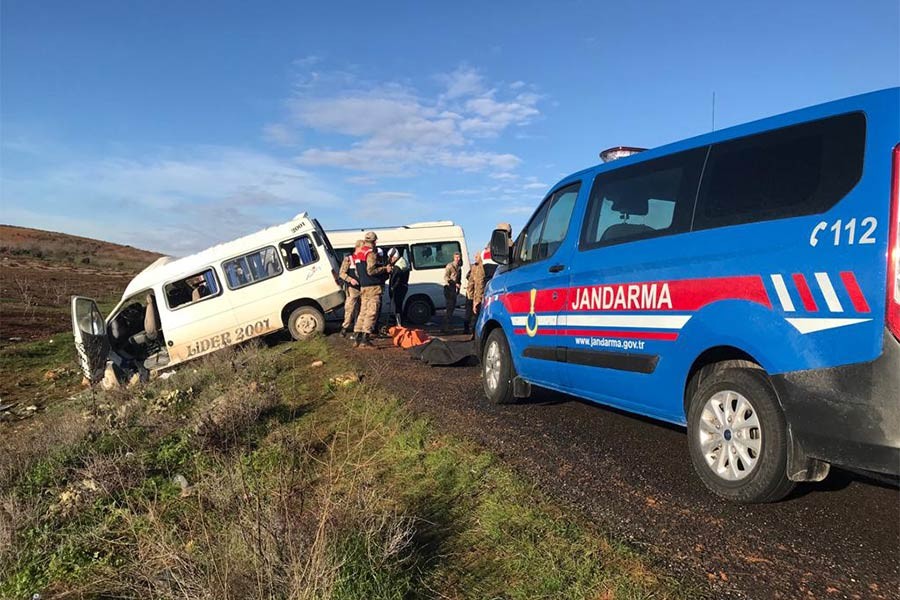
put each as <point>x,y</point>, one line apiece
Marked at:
<point>836,539</point>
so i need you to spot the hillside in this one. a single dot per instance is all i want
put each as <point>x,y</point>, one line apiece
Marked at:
<point>40,270</point>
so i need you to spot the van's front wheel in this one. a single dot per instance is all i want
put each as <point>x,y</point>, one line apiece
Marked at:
<point>738,436</point>
<point>306,321</point>
<point>497,368</point>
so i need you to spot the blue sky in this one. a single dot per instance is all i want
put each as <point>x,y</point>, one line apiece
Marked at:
<point>174,125</point>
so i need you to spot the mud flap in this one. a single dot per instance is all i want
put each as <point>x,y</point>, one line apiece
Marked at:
<point>802,467</point>
<point>521,388</point>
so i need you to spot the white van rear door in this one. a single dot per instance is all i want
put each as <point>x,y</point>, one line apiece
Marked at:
<point>332,257</point>
<point>90,337</point>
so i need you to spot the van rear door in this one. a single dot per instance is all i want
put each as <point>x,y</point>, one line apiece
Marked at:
<point>91,342</point>
<point>332,258</point>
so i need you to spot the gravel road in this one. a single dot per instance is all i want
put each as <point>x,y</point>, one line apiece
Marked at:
<point>633,477</point>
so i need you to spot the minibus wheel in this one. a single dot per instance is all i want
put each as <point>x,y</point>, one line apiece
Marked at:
<point>418,310</point>
<point>738,437</point>
<point>497,368</point>
<point>306,321</point>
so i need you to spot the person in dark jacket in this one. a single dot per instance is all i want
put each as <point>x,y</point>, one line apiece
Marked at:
<point>398,284</point>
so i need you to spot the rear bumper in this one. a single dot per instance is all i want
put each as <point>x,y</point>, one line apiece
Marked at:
<point>848,415</point>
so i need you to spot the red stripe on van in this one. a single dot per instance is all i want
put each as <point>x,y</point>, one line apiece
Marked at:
<point>668,336</point>
<point>805,294</point>
<point>856,295</point>
<point>684,294</point>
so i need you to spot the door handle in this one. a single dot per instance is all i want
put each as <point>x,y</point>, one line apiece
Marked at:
<point>557,268</point>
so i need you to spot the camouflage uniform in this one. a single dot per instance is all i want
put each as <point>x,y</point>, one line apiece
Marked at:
<point>452,280</point>
<point>351,302</point>
<point>371,277</point>
<point>474,293</point>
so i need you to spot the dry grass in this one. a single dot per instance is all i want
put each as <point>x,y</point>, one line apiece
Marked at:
<point>250,475</point>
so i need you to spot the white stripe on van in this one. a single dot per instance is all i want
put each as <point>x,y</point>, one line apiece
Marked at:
<point>811,325</point>
<point>542,320</point>
<point>783,296</point>
<point>637,321</point>
<point>831,299</point>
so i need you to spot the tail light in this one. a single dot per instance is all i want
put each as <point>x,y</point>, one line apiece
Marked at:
<point>893,280</point>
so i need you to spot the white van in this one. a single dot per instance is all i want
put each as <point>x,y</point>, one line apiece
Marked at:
<point>428,247</point>
<point>177,309</point>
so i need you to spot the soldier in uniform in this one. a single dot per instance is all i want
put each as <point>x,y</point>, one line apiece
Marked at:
<point>452,280</point>
<point>478,283</point>
<point>371,276</point>
<point>351,290</point>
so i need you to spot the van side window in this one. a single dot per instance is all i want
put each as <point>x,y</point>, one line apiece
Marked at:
<point>645,200</point>
<point>192,289</point>
<point>799,170</point>
<point>299,252</point>
<point>434,255</point>
<point>251,268</point>
<point>527,245</point>
<point>547,230</point>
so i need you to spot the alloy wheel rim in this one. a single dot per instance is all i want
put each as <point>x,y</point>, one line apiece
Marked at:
<point>492,364</point>
<point>730,435</point>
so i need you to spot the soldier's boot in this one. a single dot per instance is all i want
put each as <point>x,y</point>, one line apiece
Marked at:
<point>356,338</point>
<point>365,343</point>
<point>344,332</point>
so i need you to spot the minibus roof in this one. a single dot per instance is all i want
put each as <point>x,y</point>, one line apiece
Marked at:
<point>168,268</point>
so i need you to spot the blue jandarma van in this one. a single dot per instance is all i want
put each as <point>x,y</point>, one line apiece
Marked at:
<point>743,283</point>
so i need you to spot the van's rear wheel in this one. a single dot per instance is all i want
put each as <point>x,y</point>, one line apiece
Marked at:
<point>738,436</point>
<point>418,310</point>
<point>306,321</point>
<point>497,368</point>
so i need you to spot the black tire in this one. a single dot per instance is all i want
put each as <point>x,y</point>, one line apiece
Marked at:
<point>502,390</point>
<point>306,322</point>
<point>766,479</point>
<point>418,310</point>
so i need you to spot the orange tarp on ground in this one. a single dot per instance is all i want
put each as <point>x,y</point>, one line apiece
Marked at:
<point>407,338</point>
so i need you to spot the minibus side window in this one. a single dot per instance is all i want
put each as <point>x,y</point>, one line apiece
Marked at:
<point>646,200</point>
<point>251,268</point>
<point>190,290</point>
<point>434,255</point>
<point>299,252</point>
<point>799,170</point>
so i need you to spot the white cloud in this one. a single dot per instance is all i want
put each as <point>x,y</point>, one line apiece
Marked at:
<point>490,116</point>
<point>361,180</point>
<point>388,196</point>
<point>464,81</point>
<point>279,133</point>
<point>394,129</point>
<point>174,202</point>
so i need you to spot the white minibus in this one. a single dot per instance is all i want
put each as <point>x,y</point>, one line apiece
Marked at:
<point>176,309</point>
<point>428,247</point>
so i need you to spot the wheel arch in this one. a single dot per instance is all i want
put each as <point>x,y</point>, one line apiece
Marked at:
<point>715,357</point>
<point>419,296</point>
<point>800,466</point>
<point>486,330</point>
<point>295,304</point>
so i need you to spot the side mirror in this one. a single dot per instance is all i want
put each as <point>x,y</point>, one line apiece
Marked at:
<point>500,247</point>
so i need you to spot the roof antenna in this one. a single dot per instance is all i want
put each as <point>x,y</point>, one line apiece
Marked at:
<point>714,111</point>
